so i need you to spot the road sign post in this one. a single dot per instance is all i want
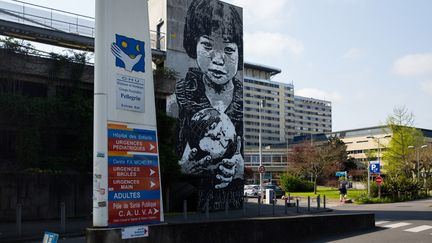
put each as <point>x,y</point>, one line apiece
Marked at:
<point>378,181</point>
<point>373,168</point>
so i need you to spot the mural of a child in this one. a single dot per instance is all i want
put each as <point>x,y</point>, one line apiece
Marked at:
<point>213,36</point>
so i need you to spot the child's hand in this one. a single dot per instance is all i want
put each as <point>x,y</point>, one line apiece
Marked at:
<point>193,166</point>
<point>230,167</point>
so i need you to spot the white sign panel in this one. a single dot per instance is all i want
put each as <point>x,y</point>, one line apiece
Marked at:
<point>130,93</point>
<point>134,232</point>
<point>124,104</point>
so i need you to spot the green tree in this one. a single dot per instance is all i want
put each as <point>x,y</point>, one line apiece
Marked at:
<point>397,154</point>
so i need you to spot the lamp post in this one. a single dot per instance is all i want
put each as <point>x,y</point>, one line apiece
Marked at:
<point>417,156</point>
<point>262,102</point>
<point>378,157</point>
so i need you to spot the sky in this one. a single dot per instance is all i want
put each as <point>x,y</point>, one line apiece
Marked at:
<point>365,56</point>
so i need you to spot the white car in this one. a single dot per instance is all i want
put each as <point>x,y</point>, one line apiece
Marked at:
<point>251,190</point>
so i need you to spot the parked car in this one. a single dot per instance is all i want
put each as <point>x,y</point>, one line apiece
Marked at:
<point>277,190</point>
<point>251,190</point>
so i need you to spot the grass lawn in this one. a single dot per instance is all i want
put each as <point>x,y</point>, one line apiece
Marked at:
<point>330,192</point>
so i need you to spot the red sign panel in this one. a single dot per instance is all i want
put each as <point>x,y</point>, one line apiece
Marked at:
<point>134,211</point>
<point>118,184</point>
<point>129,145</point>
<point>133,177</point>
<point>378,180</point>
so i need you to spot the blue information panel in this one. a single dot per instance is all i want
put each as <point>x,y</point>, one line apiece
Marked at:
<point>374,167</point>
<point>341,173</point>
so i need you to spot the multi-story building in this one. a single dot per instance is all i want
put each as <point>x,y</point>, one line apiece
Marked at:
<point>283,115</point>
<point>268,102</point>
<point>312,115</point>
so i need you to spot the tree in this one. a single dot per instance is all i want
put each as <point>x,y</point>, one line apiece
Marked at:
<point>397,154</point>
<point>318,159</point>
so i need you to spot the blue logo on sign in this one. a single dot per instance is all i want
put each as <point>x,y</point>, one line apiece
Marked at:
<point>374,167</point>
<point>129,53</point>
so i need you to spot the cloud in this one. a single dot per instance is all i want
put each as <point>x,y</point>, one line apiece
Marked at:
<point>260,14</point>
<point>354,53</point>
<point>427,87</point>
<point>271,45</point>
<point>414,65</point>
<point>319,94</point>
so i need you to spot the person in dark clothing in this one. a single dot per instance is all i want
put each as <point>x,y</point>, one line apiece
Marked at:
<point>343,189</point>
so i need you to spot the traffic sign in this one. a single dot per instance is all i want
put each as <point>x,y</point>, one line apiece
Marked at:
<point>341,173</point>
<point>374,167</point>
<point>261,169</point>
<point>378,180</point>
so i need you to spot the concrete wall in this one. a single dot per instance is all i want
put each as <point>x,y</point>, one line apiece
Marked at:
<point>41,194</point>
<point>298,229</point>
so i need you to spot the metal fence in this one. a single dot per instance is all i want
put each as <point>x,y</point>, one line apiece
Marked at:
<point>59,20</point>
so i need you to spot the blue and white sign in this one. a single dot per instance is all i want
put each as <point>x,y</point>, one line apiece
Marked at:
<point>341,173</point>
<point>50,237</point>
<point>134,232</point>
<point>374,167</point>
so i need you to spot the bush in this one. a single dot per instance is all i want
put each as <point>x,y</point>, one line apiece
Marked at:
<point>398,188</point>
<point>295,184</point>
<point>363,199</point>
<point>403,188</point>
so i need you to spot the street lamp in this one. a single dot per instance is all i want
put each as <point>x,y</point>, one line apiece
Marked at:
<point>378,156</point>
<point>417,156</point>
<point>262,103</point>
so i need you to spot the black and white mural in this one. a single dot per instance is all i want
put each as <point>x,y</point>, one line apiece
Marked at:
<point>210,103</point>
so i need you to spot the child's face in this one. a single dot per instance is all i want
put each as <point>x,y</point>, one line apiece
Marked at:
<point>217,58</point>
<point>217,138</point>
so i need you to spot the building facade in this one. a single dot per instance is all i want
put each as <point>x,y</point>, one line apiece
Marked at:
<point>282,114</point>
<point>272,109</point>
<point>365,144</point>
<point>312,116</point>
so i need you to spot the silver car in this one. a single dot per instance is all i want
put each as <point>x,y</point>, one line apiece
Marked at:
<point>251,190</point>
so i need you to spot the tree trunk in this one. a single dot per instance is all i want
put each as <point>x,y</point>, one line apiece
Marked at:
<point>315,184</point>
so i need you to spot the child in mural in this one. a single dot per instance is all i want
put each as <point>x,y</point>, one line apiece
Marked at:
<point>213,37</point>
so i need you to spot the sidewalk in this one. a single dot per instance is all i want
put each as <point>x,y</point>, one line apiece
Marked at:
<point>34,230</point>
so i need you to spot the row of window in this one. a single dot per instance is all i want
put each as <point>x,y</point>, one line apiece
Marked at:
<point>311,118</point>
<point>250,123</point>
<point>261,83</point>
<point>313,113</point>
<point>272,92</point>
<point>311,129</point>
<point>260,97</point>
<point>310,107</point>
<point>364,151</point>
<point>263,111</point>
<point>267,138</point>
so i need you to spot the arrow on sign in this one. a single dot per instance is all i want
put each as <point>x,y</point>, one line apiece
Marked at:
<point>152,172</point>
<point>152,184</point>
<point>152,147</point>
<point>155,211</point>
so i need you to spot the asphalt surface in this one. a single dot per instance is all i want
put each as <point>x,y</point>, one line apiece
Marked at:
<point>397,222</point>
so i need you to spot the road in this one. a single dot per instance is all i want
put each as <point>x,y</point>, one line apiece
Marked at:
<point>396,222</point>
